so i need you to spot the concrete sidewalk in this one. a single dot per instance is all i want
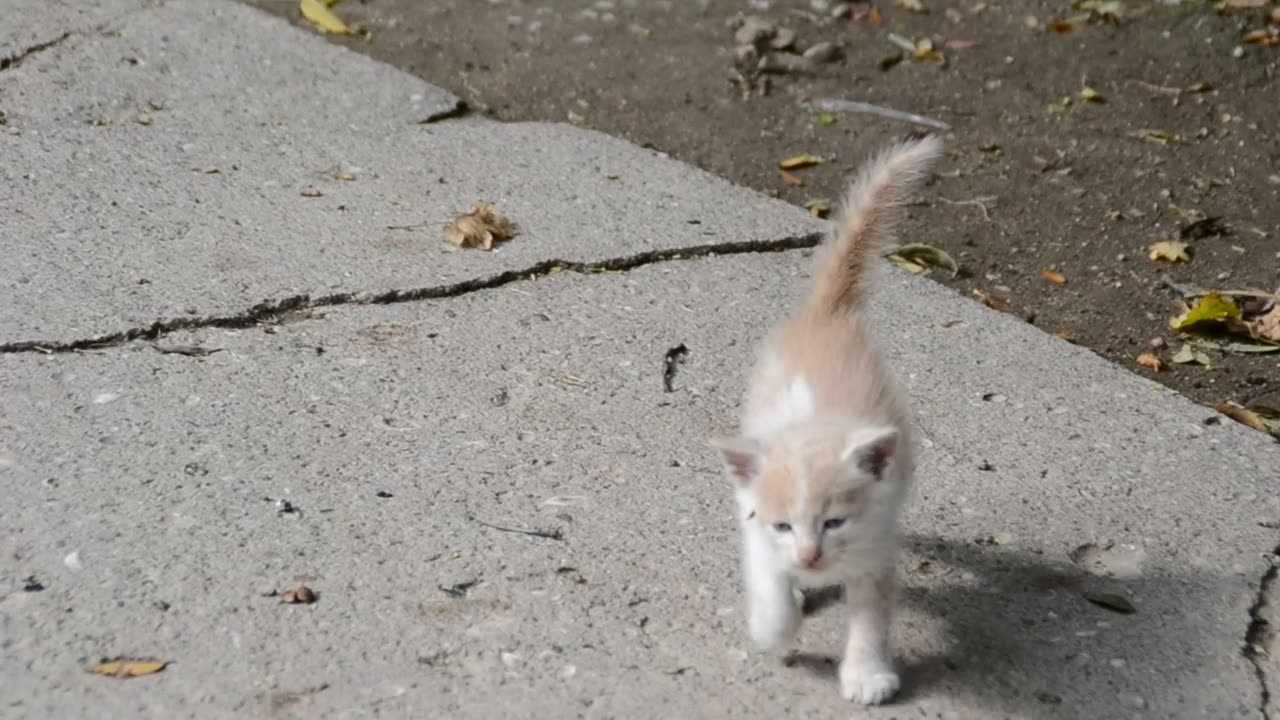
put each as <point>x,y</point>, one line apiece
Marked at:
<point>404,398</point>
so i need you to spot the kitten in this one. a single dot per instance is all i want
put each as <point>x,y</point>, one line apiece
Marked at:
<point>824,460</point>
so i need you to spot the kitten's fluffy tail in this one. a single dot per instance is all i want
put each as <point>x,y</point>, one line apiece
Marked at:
<point>867,220</point>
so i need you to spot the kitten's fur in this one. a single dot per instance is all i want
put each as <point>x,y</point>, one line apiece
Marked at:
<point>825,458</point>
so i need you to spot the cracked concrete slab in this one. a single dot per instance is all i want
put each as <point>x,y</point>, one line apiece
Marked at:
<point>31,24</point>
<point>201,210</point>
<point>142,489</point>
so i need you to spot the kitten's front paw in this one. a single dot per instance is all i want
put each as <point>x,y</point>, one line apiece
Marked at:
<point>773,628</point>
<point>867,686</point>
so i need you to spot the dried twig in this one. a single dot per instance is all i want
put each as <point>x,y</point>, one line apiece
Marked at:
<point>980,202</point>
<point>835,105</point>
<point>548,534</point>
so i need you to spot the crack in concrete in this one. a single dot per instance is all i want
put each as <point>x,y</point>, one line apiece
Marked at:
<point>19,57</point>
<point>268,309</point>
<point>1255,635</point>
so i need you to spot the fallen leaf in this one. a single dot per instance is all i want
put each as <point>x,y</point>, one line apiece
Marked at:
<point>319,14</point>
<point>922,257</point>
<point>1211,308</point>
<point>1242,348</point>
<point>790,179</point>
<point>905,43</point>
<point>1160,137</point>
<point>480,227</point>
<point>1149,360</point>
<point>122,668</point>
<point>1056,278</point>
<point>1066,337</point>
<point>926,51</point>
<point>818,207</point>
<point>1059,107</point>
<point>1266,37</point>
<point>1242,415</point>
<point>914,6</point>
<point>800,161</point>
<point>1088,94</point>
<point>992,301</point>
<point>1061,26</point>
<point>1267,327</point>
<point>311,193</point>
<point>1111,601</point>
<point>1189,355</point>
<point>826,119</point>
<point>300,595</point>
<point>1169,251</point>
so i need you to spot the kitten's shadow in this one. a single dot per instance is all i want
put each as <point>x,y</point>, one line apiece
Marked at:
<point>1002,613</point>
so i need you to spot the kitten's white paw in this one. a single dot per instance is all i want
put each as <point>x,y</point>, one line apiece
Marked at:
<point>773,628</point>
<point>869,687</point>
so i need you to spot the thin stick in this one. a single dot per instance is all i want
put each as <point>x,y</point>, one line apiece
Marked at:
<point>979,201</point>
<point>834,105</point>
<point>548,534</point>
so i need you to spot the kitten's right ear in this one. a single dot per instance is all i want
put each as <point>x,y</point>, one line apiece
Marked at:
<point>742,458</point>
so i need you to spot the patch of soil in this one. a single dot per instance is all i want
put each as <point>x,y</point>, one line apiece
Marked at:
<point>1036,177</point>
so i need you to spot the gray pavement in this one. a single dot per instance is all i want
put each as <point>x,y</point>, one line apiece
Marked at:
<point>142,488</point>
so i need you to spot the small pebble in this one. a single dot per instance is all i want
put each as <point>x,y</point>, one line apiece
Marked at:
<point>822,52</point>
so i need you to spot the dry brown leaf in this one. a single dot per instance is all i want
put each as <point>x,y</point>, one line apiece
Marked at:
<point>311,193</point>
<point>300,595</point>
<point>1149,360</point>
<point>1054,277</point>
<point>344,176</point>
<point>480,227</point>
<point>1267,327</point>
<point>790,179</point>
<point>1065,336</point>
<point>123,668</point>
<point>1266,37</point>
<point>992,301</point>
<point>1169,251</point>
<point>1242,415</point>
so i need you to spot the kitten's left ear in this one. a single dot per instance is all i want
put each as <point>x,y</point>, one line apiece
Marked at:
<point>742,457</point>
<point>868,450</point>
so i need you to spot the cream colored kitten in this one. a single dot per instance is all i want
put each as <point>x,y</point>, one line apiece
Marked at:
<point>824,461</point>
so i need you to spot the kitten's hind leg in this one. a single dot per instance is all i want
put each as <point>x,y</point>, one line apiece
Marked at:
<point>866,672</point>
<point>773,610</point>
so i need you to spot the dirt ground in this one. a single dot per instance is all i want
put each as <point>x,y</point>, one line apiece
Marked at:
<point>1182,124</point>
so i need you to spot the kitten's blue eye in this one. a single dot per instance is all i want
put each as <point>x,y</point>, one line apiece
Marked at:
<point>782,527</point>
<point>833,523</point>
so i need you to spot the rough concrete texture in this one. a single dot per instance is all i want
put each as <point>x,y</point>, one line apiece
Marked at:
<point>540,406</point>
<point>201,211</point>
<point>143,490</point>
<point>33,26</point>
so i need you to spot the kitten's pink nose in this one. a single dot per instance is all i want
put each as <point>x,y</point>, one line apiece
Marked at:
<point>810,556</point>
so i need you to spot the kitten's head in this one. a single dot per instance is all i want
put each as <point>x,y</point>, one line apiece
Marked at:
<point>818,492</point>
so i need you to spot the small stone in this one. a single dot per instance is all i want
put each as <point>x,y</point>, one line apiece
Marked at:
<point>1116,662</point>
<point>1157,343</point>
<point>754,31</point>
<point>510,659</point>
<point>1238,52</point>
<point>822,52</point>
<point>1132,700</point>
<point>783,39</point>
<point>841,11</point>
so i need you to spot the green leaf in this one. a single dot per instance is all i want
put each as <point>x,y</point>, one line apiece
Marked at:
<point>826,119</point>
<point>1111,601</point>
<point>922,256</point>
<point>1211,308</point>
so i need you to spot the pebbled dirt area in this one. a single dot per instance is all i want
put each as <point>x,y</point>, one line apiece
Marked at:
<point>1078,136</point>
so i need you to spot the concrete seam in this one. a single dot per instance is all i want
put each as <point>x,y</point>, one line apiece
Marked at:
<point>1253,636</point>
<point>267,309</point>
<point>17,58</point>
